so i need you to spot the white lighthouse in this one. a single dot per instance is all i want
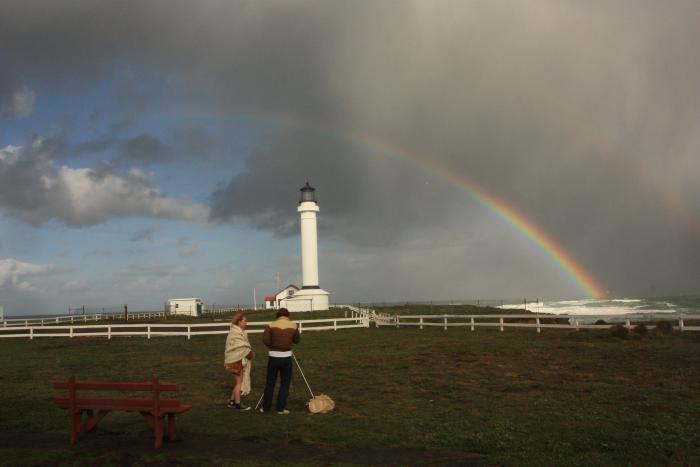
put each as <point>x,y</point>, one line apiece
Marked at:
<point>310,297</point>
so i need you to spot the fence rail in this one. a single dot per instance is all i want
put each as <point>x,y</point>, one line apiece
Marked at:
<point>155,330</point>
<point>529,321</point>
<point>65,319</point>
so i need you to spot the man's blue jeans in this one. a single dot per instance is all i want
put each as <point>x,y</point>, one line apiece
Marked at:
<point>283,366</point>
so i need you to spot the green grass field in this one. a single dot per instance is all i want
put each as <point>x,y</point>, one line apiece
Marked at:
<point>518,397</point>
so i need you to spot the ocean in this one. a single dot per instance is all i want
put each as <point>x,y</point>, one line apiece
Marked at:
<point>664,306</point>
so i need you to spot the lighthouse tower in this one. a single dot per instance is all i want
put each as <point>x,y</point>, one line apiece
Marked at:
<point>310,297</point>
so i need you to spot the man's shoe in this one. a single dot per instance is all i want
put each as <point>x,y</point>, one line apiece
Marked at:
<point>283,412</point>
<point>231,404</point>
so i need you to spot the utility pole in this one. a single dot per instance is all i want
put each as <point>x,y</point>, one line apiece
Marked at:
<point>255,300</point>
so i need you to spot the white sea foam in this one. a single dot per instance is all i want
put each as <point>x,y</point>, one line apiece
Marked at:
<point>595,307</point>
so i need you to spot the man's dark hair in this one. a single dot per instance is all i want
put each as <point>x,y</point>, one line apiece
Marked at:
<point>282,312</point>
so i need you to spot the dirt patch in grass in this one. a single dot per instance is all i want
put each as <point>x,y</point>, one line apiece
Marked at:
<point>197,449</point>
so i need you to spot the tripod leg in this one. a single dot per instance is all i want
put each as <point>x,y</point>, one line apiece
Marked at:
<point>259,400</point>
<point>302,375</point>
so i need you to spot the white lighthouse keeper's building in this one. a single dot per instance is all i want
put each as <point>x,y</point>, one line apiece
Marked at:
<point>310,297</point>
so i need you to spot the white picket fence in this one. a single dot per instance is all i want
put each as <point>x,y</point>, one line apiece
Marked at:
<point>359,318</point>
<point>372,315</point>
<point>65,319</point>
<point>528,321</point>
<point>155,330</point>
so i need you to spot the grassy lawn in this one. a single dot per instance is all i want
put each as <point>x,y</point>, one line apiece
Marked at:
<point>518,397</point>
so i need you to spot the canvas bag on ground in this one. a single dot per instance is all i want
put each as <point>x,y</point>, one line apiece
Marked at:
<point>320,404</point>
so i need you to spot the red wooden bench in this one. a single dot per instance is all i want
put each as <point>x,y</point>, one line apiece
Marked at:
<point>153,408</point>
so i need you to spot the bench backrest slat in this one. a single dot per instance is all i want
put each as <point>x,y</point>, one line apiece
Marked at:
<point>116,386</point>
<point>115,402</point>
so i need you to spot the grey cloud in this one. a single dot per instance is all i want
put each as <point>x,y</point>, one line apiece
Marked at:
<point>103,252</point>
<point>145,149</point>
<point>13,273</point>
<point>188,143</point>
<point>144,235</point>
<point>35,190</point>
<point>16,102</point>
<point>154,269</point>
<point>95,146</point>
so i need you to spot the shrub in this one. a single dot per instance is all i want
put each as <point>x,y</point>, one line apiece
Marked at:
<point>640,330</point>
<point>600,321</point>
<point>664,327</point>
<point>619,331</point>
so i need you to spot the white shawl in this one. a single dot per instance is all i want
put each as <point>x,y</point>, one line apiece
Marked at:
<point>237,348</point>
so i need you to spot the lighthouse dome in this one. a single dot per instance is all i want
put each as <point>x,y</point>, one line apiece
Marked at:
<point>308,193</point>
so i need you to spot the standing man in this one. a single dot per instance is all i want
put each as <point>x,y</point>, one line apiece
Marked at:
<point>279,336</point>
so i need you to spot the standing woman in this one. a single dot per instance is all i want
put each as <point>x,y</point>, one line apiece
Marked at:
<point>238,358</point>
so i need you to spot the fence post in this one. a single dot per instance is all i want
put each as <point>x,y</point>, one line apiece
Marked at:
<point>627,324</point>
<point>444,322</point>
<point>538,324</point>
<point>577,325</point>
<point>71,332</point>
<point>189,332</point>
<point>335,324</point>
<point>300,330</point>
<point>42,321</point>
<point>148,328</point>
<point>472,322</point>
<point>109,332</point>
<point>501,321</point>
<point>31,333</point>
<point>396,320</point>
<point>680,323</point>
<point>421,322</point>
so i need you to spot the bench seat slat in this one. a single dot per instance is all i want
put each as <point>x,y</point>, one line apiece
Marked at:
<point>116,386</point>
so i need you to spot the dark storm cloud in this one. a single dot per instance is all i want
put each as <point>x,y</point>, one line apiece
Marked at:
<point>559,108</point>
<point>365,198</point>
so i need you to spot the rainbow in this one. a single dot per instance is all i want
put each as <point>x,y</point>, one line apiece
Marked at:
<point>563,260</point>
<point>557,255</point>
<point>524,226</point>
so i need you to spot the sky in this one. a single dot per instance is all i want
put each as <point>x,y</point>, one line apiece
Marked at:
<point>461,150</point>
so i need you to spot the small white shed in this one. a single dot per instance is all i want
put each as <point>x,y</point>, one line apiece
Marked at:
<point>274,301</point>
<point>185,306</point>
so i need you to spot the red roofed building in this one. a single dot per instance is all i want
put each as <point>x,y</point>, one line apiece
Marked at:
<point>273,301</point>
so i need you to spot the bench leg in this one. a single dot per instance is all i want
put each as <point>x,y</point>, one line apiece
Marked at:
<point>171,427</point>
<point>75,422</point>
<point>159,422</point>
